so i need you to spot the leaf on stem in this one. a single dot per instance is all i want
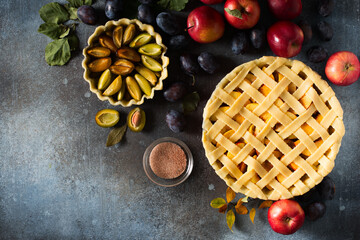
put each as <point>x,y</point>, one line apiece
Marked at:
<point>79,3</point>
<point>234,12</point>
<point>217,203</point>
<point>53,30</point>
<point>241,209</point>
<point>72,11</point>
<point>230,219</point>
<point>54,13</point>
<point>266,204</point>
<point>57,52</point>
<point>116,135</point>
<point>252,214</point>
<point>239,202</point>
<point>223,208</point>
<point>230,194</point>
<point>176,5</point>
<point>65,33</point>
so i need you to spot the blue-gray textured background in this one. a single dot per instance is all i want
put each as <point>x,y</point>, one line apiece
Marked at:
<point>59,181</point>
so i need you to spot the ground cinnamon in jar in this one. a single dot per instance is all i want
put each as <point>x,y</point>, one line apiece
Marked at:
<point>167,160</point>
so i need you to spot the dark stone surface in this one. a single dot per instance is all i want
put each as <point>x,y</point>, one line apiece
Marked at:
<point>59,181</point>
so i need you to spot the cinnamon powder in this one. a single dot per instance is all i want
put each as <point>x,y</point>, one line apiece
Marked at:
<point>167,160</point>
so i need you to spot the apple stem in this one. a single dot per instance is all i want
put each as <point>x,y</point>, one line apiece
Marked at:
<point>348,66</point>
<point>243,10</point>
<point>193,80</point>
<point>189,28</point>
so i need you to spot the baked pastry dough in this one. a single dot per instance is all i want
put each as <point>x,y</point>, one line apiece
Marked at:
<point>272,128</point>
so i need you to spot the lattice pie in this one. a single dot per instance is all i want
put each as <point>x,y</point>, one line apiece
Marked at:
<point>272,128</point>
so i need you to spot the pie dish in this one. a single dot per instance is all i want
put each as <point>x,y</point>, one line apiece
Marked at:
<point>272,128</point>
<point>93,78</point>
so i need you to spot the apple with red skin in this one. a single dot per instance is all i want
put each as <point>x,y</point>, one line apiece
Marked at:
<point>285,9</point>
<point>249,10</point>
<point>285,39</point>
<point>211,1</point>
<point>286,216</point>
<point>343,68</point>
<point>205,24</point>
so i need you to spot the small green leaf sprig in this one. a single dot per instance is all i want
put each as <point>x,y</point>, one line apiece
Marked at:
<point>234,12</point>
<point>227,206</point>
<point>55,15</point>
<point>176,5</point>
<point>116,135</point>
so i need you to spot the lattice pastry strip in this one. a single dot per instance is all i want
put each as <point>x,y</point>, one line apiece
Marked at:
<point>272,128</point>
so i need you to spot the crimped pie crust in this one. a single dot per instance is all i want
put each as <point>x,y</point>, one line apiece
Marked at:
<point>93,82</point>
<point>250,138</point>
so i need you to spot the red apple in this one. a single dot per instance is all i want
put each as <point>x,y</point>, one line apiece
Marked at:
<point>242,14</point>
<point>343,68</point>
<point>285,9</point>
<point>286,216</point>
<point>205,24</point>
<point>212,1</point>
<point>285,39</point>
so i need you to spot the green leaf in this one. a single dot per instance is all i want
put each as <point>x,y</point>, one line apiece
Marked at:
<point>53,30</point>
<point>190,102</point>
<point>230,219</point>
<point>54,13</point>
<point>57,52</point>
<point>88,2</point>
<point>79,3</point>
<point>65,33</point>
<point>234,12</point>
<point>176,5</point>
<point>72,11</point>
<point>217,202</point>
<point>116,135</point>
<point>73,42</point>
